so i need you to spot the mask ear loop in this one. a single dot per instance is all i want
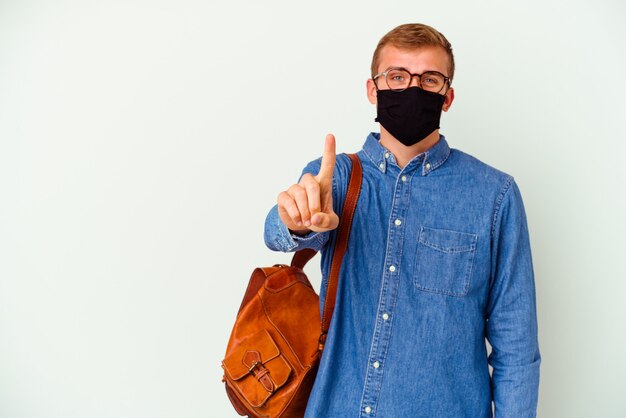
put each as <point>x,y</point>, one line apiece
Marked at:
<point>445,109</point>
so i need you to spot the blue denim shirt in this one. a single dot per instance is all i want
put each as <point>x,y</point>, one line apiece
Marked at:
<point>438,262</point>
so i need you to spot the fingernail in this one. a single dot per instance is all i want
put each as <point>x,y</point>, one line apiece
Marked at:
<point>299,223</point>
<point>307,223</point>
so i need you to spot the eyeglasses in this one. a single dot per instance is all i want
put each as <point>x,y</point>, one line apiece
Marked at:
<point>399,79</point>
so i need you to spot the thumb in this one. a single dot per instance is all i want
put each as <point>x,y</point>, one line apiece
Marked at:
<point>321,222</point>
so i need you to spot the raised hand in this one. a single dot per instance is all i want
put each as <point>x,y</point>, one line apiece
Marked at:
<point>308,205</point>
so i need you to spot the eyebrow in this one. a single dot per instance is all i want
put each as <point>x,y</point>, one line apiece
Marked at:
<point>409,71</point>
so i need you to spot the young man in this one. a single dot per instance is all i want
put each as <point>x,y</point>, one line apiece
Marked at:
<point>438,260</point>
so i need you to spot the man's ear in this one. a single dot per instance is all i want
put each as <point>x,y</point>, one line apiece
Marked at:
<point>371,91</point>
<point>449,99</point>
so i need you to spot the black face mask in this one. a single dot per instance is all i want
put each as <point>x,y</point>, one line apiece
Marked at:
<point>410,115</point>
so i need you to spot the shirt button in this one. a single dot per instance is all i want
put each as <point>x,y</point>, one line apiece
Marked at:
<point>382,166</point>
<point>386,155</point>
<point>392,268</point>
<point>385,316</point>
<point>403,178</point>
<point>398,222</point>
<point>427,166</point>
<point>376,364</point>
<point>368,409</point>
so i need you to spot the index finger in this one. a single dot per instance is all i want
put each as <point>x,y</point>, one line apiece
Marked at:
<point>328,158</point>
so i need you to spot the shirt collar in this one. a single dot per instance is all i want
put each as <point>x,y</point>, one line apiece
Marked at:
<point>432,158</point>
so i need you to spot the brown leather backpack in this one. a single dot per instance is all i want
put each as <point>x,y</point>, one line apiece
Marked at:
<point>277,341</point>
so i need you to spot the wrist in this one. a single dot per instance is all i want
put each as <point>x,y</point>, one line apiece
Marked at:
<point>299,232</point>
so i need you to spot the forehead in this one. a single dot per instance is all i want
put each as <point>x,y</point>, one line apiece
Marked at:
<point>416,60</point>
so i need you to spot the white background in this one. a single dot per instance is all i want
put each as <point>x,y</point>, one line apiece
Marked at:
<point>142,143</point>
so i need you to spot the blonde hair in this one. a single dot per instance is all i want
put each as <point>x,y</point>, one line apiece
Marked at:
<point>413,35</point>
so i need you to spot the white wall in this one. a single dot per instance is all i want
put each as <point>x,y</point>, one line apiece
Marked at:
<point>142,142</point>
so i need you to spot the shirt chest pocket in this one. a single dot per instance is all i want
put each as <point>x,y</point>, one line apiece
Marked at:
<point>444,261</point>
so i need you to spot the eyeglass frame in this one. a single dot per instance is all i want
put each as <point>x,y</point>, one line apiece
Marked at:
<point>419,79</point>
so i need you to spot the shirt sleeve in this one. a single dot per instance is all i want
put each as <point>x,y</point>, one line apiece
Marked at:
<point>277,235</point>
<point>511,311</point>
